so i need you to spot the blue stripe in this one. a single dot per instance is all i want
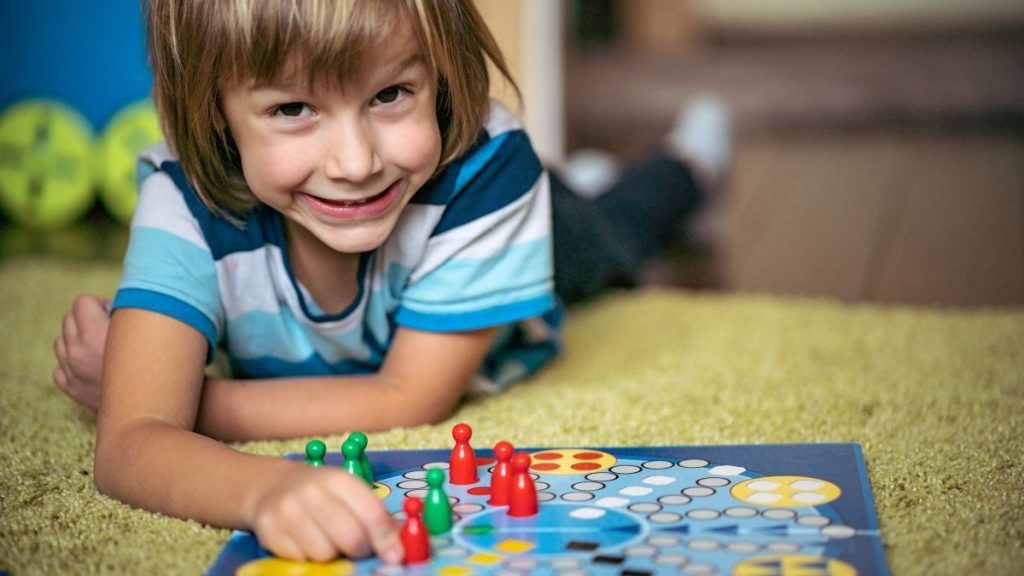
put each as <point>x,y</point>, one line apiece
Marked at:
<point>519,268</point>
<point>259,227</point>
<point>169,306</point>
<point>161,261</point>
<point>496,175</point>
<point>269,367</point>
<point>476,319</point>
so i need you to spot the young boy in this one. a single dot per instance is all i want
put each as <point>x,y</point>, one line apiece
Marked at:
<point>341,208</point>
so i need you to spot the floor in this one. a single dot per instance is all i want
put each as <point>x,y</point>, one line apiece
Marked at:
<point>867,171</point>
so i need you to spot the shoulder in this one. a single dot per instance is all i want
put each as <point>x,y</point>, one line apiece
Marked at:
<point>167,201</point>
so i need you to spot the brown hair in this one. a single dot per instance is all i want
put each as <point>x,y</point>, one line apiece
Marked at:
<point>198,46</point>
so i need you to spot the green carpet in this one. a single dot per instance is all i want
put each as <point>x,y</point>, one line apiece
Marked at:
<point>936,398</point>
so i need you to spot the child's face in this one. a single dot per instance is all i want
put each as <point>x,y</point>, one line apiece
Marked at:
<point>341,163</point>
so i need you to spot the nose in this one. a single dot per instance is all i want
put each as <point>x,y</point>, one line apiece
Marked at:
<point>350,151</point>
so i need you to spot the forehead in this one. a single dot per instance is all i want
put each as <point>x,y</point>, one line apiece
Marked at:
<point>311,49</point>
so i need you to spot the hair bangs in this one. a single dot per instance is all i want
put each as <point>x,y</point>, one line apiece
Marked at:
<point>314,42</point>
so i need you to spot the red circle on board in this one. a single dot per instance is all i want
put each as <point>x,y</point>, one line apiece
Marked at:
<point>584,466</point>
<point>479,491</point>
<point>484,461</point>
<point>547,456</point>
<point>545,467</point>
<point>588,456</point>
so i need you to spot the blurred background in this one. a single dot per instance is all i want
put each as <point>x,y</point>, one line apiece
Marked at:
<point>878,151</point>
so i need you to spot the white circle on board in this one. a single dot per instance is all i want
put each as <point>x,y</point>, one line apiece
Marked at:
<point>778,514</point>
<point>764,497</point>
<point>809,497</point>
<point>635,491</point>
<point>702,544</point>
<point>657,465</point>
<point>814,521</point>
<point>625,469</point>
<point>763,485</point>
<point>806,485</point>
<point>702,514</point>
<point>663,540</point>
<point>659,480</point>
<point>740,512</point>
<point>664,517</point>
<point>742,547</point>
<point>838,531</point>
<point>612,502</point>
<point>587,513</point>
<point>693,463</point>
<point>698,491</point>
<point>727,470</point>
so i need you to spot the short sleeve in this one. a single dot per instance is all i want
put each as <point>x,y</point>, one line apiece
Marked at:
<point>488,261</point>
<point>168,267</point>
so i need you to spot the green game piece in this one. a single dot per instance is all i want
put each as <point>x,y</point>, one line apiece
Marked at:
<point>437,511</point>
<point>352,450</point>
<point>361,439</point>
<point>315,451</point>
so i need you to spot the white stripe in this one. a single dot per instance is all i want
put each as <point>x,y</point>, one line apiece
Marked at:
<point>162,206</point>
<point>500,120</point>
<point>526,219</point>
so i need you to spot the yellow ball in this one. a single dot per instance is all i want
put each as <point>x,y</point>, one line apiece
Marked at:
<point>46,179</point>
<point>129,132</point>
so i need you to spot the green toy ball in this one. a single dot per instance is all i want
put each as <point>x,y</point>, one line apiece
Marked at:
<point>129,132</point>
<point>46,178</point>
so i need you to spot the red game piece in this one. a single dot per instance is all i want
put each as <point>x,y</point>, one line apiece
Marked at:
<point>414,536</point>
<point>462,464</point>
<point>501,475</point>
<point>522,500</point>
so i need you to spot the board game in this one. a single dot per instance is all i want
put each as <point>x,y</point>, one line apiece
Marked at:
<point>797,509</point>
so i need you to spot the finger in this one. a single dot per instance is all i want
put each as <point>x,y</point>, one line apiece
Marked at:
<point>60,378</point>
<point>341,527</point>
<point>301,527</point>
<point>273,538</point>
<point>60,350</point>
<point>372,518</point>
<point>70,328</point>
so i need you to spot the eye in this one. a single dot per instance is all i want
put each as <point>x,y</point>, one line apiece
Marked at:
<point>390,95</point>
<point>291,109</point>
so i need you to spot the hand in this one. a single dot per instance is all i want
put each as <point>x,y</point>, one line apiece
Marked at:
<point>317,513</point>
<point>79,349</point>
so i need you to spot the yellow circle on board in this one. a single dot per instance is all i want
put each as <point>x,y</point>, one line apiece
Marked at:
<point>786,491</point>
<point>381,490</point>
<point>282,567</point>
<point>46,178</point>
<point>133,129</point>
<point>793,566</point>
<point>566,462</point>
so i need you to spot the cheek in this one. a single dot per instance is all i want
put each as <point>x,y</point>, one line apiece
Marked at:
<point>417,148</point>
<point>271,167</point>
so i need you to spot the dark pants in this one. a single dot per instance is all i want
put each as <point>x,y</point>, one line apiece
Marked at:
<point>605,243</point>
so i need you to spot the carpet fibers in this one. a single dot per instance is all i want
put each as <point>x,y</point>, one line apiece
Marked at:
<point>936,399</point>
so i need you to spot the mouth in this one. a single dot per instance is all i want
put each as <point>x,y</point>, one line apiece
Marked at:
<point>361,209</point>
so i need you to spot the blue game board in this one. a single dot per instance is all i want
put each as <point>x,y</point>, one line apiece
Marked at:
<point>746,510</point>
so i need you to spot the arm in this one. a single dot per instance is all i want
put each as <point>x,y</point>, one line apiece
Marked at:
<point>148,456</point>
<point>422,379</point>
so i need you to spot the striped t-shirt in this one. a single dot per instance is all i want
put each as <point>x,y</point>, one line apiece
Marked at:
<point>472,249</point>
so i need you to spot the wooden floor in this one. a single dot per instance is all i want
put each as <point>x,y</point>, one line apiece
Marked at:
<point>866,170</point>
<point>934,218</point>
